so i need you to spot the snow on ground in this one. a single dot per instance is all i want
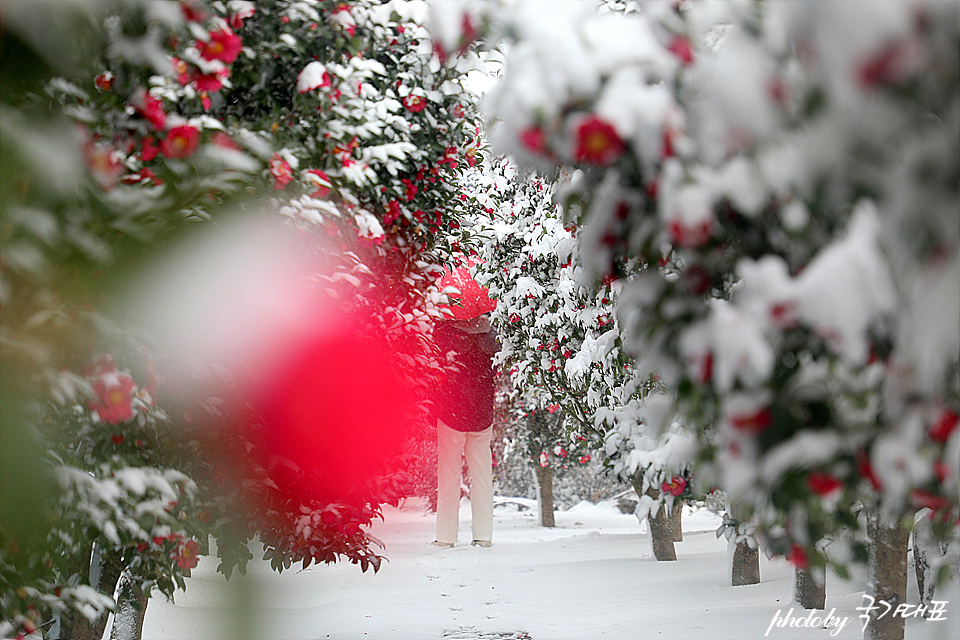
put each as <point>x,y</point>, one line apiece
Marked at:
<point>593,576</point>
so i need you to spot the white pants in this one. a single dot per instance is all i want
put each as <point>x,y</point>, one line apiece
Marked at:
<point>475,447</point>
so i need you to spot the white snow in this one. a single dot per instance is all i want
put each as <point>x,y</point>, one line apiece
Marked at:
<point>593,576</point>
<point>311,77</point>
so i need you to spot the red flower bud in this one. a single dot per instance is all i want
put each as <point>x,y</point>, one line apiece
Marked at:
<point>680,47</point>
<point>944,426</point>
<point>823,484</point>
<point>798,556</point>
<point>753,423</point>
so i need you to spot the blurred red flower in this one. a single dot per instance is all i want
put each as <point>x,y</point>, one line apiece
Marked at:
<point>597,142</point>
<point>223,45</point>
<point>944,426</point>
<point>281,172</point>
<point>823,484</point>
<point>187,555</point>
<point>113,398</point>
<point>798,556</point>
<point>151,109</point>
<point>181,141</point>
<point>675,486</point>
<point>753,423</point>
<point>415,103</point>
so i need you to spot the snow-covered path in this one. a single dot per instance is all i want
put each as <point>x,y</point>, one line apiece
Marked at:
<point>591,577</point>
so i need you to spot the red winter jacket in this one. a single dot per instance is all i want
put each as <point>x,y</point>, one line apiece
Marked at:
<point>464,400</point>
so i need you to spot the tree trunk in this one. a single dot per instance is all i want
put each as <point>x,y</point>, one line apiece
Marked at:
<point>927,554</point>
<point>675,518</point>
<point>103,569</point>
<point>73,624</point>
<point>887,578</point>
<point>545,493</point>
<point>661,528</point>
<point>809,593</point>
<point>131,609</point>
<point>745,567</point>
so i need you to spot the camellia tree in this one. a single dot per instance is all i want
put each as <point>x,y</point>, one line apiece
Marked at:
<point>343,116</point>
<point>370,136</point>
<point>794,167</point>
<point>562,348</point>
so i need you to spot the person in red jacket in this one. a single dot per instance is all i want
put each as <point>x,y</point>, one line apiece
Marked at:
<point>464,411</point>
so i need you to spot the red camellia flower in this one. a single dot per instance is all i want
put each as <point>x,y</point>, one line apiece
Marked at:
<point>393,212</point>
<point>342,16</point>
<point>690,236</point>
<point>754,422</point>
<point>696,279</point>
<point>104,163</point>
<point>187,555</point>
<point>597,142</point>
<point>313,76</point>
<point>104,81</point>
<point>192,11</point>
<point>941,471</point>
<point>181,141</point>
<point>281,172</point>
<point>148,149</point>
<point>584,459</point>
<point>944,426</point>
<point>890,65</point>
<point>182,70</point>
<point>785,314</point>
<point>798,556</point>
<point>152,109</point>
<point>321,181</point>
<point>209,82</point>
<point>237,19</point>
<point>865,469</point>
<point>680,47</point>
<point>410,189</point>
<point>415,103</point>
<point>141,177</point>
<point>920,499</point>
<point>113,398</point>
<point>675,486</point>
<point>331,401</point>
<point>470,155</point>
<point>224,141</point>
<point>224,45</point>
<point>823,484</point>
